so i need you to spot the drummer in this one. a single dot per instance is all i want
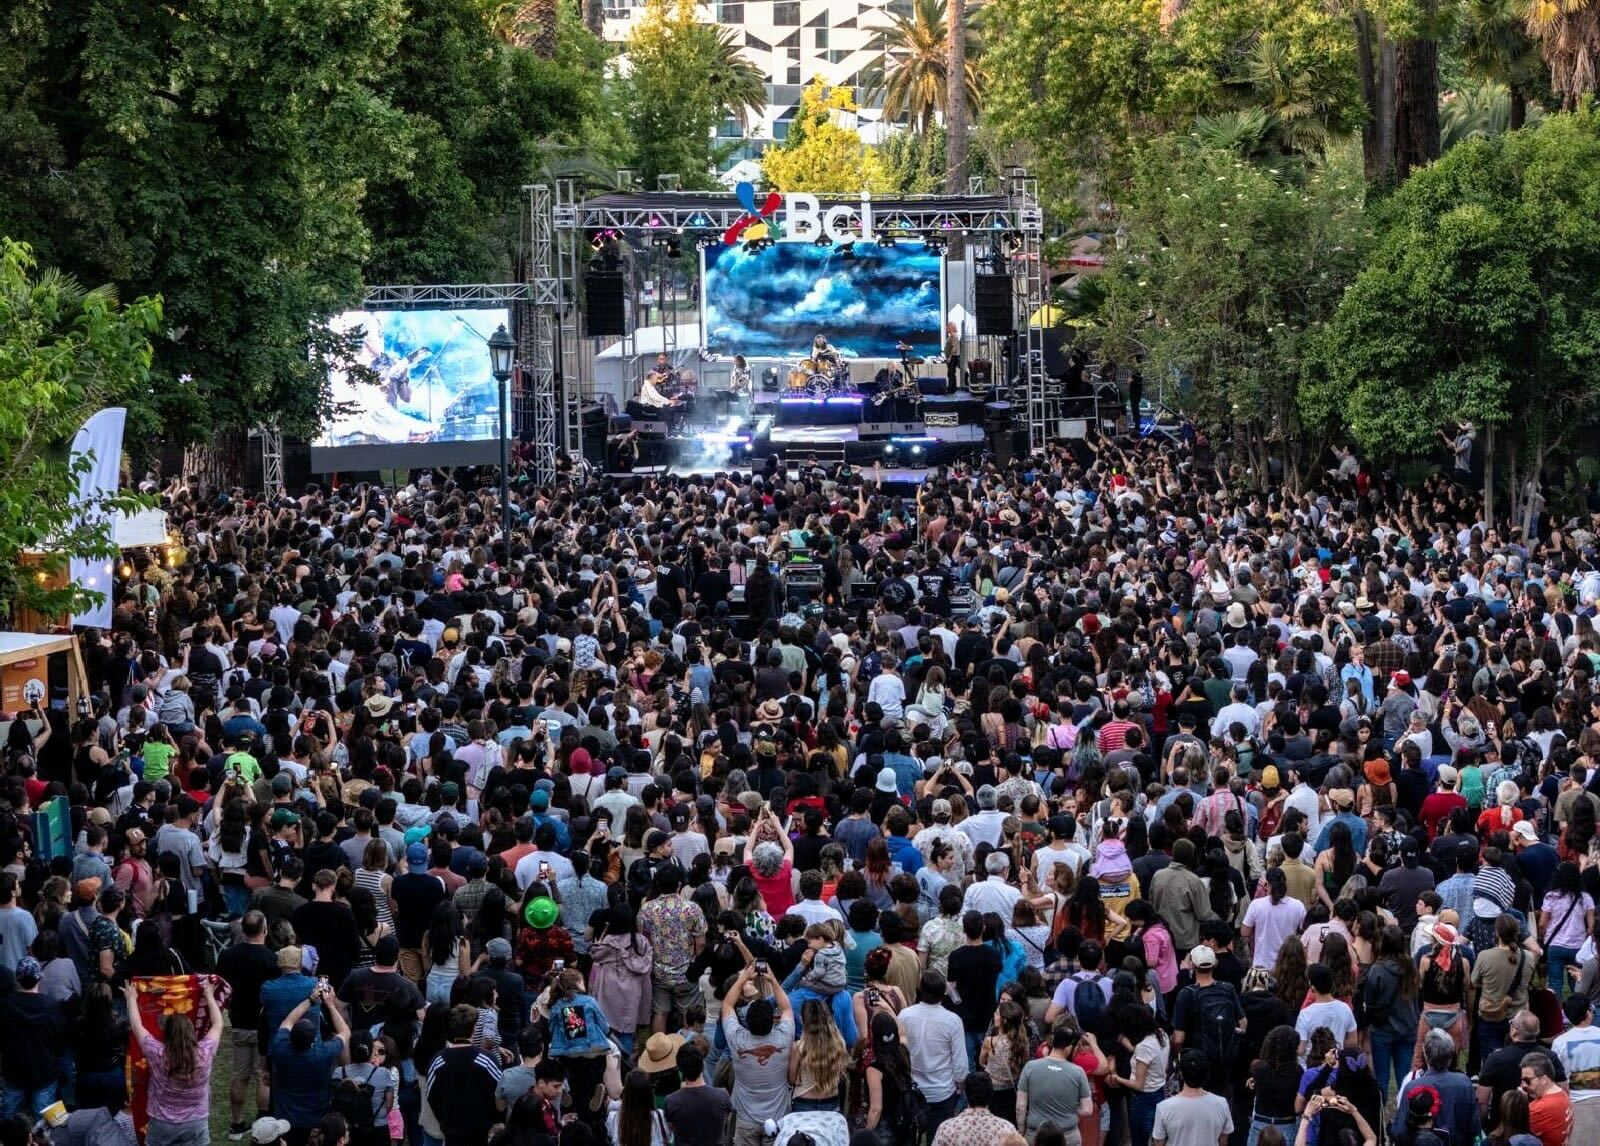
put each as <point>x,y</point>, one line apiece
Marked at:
<point>825,356</point>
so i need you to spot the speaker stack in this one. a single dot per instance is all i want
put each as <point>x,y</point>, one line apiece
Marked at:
<point>605,315</point>
<point>995,312</point>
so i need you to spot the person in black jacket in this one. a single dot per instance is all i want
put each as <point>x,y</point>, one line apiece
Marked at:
<point>461,1084</point>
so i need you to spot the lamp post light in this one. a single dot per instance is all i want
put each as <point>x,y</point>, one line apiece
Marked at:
<point>502,350</point>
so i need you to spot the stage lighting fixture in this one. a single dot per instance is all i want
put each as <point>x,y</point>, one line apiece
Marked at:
<point>674,248</point>
<point>823,241</point>
<point>917,450</point>
<point>886,241</point>
<point>655,221</point>
<point>888,451</point>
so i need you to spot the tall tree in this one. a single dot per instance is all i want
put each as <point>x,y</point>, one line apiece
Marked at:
<point>1495,45</point>
<point>1568,35</point>
<point>64,353</point>
<point>955,100</point>
<point>737,85</point>
<point>1239,264</point>
<point>213,153</point>
<point>913,65</point>
<point>1481,301</point>
<point>822,155</point>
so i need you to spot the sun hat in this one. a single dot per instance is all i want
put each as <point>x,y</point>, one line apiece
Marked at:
<point>541,913</point>
<point>660,1053</point>
<point>886,781</point>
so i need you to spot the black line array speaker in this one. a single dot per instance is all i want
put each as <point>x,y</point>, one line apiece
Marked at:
<point>604,313</point>
<point>995,313</point>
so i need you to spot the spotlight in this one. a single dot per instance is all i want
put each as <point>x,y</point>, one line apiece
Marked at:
<point>888,450</point>
<point>823,241</point>
<point>886,241</point>
<point>916,450</point>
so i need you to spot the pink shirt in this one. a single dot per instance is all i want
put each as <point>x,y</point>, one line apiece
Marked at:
<point>172,1101</point>
<point>1161,957</point>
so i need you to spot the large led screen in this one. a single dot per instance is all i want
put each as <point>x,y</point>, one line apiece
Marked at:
<point>432,379</point>
<point>771,303</point>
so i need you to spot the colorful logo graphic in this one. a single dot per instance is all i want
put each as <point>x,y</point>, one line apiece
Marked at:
<point>753,224</point>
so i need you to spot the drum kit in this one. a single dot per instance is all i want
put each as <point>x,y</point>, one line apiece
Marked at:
<point>816,378</point>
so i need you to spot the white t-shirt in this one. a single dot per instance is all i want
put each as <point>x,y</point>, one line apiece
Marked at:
<point>1334,1014</point>
<point>1153,1051</point>
<point>1272,924</point>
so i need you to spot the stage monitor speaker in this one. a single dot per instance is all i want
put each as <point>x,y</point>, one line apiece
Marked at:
<point>604,313</point>
<point>980,372</point>
<point>995,313</point>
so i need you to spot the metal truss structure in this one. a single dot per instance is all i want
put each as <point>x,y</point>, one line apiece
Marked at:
<point>1011,220</point>
<point>536,338</point>
<point>458,294</point>
<point>271,458</point>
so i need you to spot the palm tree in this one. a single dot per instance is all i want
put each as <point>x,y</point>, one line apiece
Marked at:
<point>1487,109</point>
<point>1495,45</point>
<point>527,24</point>
<point>1294,98</point>
<point>739,86</point>
<point>914,62</point>
<point>1567,33</point>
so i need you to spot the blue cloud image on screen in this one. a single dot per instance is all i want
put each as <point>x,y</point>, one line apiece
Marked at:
<point>433,380</point>
<point>771,303</point>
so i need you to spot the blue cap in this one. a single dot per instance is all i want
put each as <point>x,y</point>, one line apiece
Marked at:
<point>417,856</point>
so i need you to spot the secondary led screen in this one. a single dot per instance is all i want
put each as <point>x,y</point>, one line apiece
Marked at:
<point>433,382</point>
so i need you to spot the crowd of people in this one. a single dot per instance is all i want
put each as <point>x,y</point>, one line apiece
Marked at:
<point>1095,800</point>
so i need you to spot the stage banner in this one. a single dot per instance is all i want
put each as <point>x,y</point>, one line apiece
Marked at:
<point>99,438</point>
<point>160,996</point>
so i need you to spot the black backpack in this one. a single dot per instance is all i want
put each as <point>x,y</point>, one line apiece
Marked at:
<point>352,1098</point>
<point>1218,1018</point>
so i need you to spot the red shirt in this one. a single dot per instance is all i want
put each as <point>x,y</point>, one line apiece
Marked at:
<point>1436,810</point>
<point>1550,1117</point>
<point>1114,736</point>
<point>777,891</point>
<point>1490,820</point>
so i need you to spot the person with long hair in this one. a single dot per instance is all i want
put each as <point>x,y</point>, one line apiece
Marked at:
<point>1389,997</point>
<point>886,1066</point>
<point>1152,938</point>
<point>1513,1118</point>
<point>1289,972</point>
<point>1005,1051</point>
<point>1335,863</point>
<point>1140,1035</point>
<point>1275,1084</point>
<point>1442,975</point>
<point>633,1120</point>
<point>1566,918</point>
<point>102,1049</point>
<point>449,955</point>
<point>180,1070</point>
<point>820,1060</point>
<point>579,1040</point>
<point>619,974</point>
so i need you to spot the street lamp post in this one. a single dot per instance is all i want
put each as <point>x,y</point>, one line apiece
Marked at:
<point>502,349</point>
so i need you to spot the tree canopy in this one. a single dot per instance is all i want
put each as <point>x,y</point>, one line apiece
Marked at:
<point>823,154</point>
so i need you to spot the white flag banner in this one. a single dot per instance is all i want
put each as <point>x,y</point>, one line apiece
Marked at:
<point>101,438</point>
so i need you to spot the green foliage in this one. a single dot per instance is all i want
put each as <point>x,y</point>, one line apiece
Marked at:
<point>64,353</point>
<point>913,164</point>
<point>1481,110</point>
<point>478,114</point>
<point>683,80</point>
<point>1482,298</point>
<point>821,154</point>
<point>1083,83</point>
<point>255,162</point>
<point>914,61</point>
<point>1229,271</point>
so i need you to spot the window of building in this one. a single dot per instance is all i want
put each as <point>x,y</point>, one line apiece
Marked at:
<point>786,13</point>
<point>822,38</point>
<point>730,13</point>
<point>780,129</point>
<point>793,75</point>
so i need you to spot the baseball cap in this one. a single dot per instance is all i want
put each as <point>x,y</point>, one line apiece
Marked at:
<point>1203,957</point>
<point>655,839</point>
<point>1448,775</point>
<point>539,800</point>
<point>418,833</point>
<point>283,817</point>
<point>941,808</point>
<point>265,1131</point>
<point>615,773</point>
<point>499,950</point>
<point>417,855</point>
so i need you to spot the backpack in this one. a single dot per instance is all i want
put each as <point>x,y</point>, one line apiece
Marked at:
<point>352,1098</point>
<point>1218,1019</point>
<point>909,1113</point>
<point>1089,1003</point>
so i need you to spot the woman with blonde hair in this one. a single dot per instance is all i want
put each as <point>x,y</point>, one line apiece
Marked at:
<point>819,1062</point>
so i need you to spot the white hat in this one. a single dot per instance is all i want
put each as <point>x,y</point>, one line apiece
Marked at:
<point>1526,830</point>
<point>268,1129</point>
<point>886,780</point>
<point>1448,776</point>
<point>1236,617</point>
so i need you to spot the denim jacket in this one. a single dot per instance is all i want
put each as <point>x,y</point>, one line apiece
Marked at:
<point>578,1026</point>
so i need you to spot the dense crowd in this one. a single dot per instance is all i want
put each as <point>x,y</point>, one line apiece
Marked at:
<point>1096,800</point>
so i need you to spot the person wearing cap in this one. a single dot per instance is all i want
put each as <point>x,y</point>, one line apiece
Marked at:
<point>1342,802</point>
<point>269,1131</point>
<point>942,831</point>
<point>1442,803</point>
<point>33,1036</point>
<point>1537,860</point>
<point>414,894</point>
